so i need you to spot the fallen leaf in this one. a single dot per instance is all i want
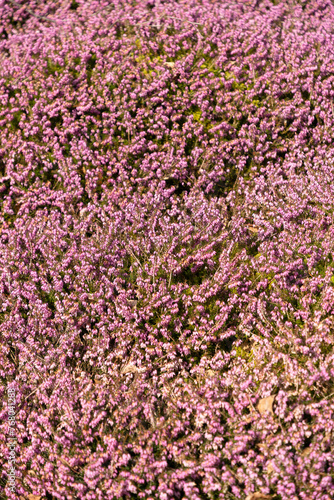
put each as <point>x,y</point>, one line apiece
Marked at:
<point>189,463</point>
<point>306,451</point>
<point>328,436</point>
<point>258,496</point>
<point>270,468</point>
<point>253,229</point>
<point>129,368</point>
<point>266,405</point>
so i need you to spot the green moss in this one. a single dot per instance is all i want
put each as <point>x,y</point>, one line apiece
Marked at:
<point>16,120</point>
<point>241,352</point>
<point>238,86</point>
<point>52,67</point>
<point>251,51</point>
<point>326,349</point>
<point>90,65</point>
<point>228,75</point>
<point>67,149</point>
<point>74,5</point>
<point>49,299</point>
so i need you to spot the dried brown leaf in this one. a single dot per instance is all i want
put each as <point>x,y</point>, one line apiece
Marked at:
<point>129,368</point>
<point>266,405</point>
<point>132,303</point>
<point>306,451</point>
<point>258,496</point>
<point>270,468</point>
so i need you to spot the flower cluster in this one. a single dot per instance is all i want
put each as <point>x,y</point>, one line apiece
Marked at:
<point>166,248</point>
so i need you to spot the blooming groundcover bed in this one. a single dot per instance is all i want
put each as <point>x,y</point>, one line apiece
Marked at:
<point>166,249</point>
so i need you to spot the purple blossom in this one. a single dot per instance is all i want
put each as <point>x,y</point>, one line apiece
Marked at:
<point>166,248</point>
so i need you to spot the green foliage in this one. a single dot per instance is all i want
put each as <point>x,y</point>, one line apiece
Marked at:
<point>16,120</point>
<point>74,5</point>
<point>53,68</point>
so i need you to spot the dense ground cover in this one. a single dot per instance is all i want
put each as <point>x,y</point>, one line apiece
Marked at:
<point>166,248</point>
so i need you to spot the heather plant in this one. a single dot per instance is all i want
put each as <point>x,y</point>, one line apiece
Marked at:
<point>166,249</point>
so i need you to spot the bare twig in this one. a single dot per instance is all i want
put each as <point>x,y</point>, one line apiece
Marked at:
<point>185,20</point>
<point>30,11</point>
<point>31,393</point>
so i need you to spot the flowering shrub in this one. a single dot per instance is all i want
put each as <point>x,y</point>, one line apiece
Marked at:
<point>166,248</point>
